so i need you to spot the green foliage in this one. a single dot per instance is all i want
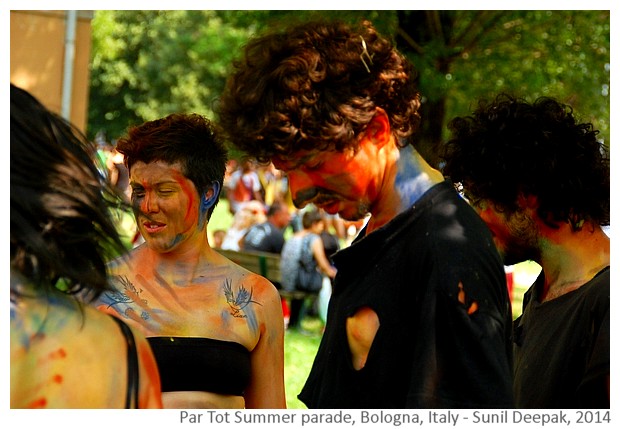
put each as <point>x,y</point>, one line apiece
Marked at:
<point>563,54</point>
<point>147,64</point>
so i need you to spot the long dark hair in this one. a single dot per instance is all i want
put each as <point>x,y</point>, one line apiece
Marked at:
<point>62,229</point>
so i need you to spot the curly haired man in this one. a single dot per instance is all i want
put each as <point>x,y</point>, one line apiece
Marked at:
<point>540,180</point>
<point>419,316</point>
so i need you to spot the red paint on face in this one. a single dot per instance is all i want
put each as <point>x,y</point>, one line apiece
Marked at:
<point>515,235</point>
<point>168,212</point>
<point>189,190</point>
<point>339,182</point>
<point>57,378</point>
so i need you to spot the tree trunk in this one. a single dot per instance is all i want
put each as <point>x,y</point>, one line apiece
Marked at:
<point>423,29</point>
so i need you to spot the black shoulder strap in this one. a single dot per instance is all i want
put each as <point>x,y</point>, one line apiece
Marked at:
<point>131,398</point>
<point>306,259</point>
<point>304,256</point>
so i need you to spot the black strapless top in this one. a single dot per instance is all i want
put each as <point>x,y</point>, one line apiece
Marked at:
<point>201,364</point>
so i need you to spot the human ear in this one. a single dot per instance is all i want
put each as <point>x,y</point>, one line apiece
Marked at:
<point>378,129</point>
<point>210,196</point>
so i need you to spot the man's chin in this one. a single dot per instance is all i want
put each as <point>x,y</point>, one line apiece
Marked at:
<point>353,214</point>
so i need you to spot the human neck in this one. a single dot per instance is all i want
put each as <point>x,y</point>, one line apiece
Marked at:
<point>188,253</point>
<point>407,178</point>
<point>571,259</point>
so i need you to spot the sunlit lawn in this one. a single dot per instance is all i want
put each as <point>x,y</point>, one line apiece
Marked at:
<point>299,352</point>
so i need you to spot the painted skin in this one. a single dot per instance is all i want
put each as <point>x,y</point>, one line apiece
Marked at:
<point>176,285</point>
<point>378,178</point>
<point>569,259</point>
<point>55,346</point>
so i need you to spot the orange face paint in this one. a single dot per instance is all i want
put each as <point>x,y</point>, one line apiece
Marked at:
<point>165,205</point>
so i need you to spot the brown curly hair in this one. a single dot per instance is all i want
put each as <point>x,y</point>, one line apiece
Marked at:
<point>307,88</point>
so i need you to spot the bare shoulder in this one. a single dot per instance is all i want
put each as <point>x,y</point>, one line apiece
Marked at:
<point>111,357</point>
<point>261,285</point>
<point>70,343</point>
<point>242,275</point>
<point>264,287</point>
<point>127,262</point>
<point>105,324</point>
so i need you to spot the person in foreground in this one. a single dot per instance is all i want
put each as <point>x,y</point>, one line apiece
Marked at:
<point>540,180</point>
<point>216,329</point>
<point>419,315</point>
<point>65,354</point>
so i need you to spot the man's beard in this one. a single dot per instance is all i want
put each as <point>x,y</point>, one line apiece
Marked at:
<point>524,240</point>
<point>321,196</point>
<point>315,195</point>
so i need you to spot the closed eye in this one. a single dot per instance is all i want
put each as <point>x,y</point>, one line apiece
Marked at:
<point>166,192</point>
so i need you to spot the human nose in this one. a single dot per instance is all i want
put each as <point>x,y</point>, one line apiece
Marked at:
<point>149,203</point>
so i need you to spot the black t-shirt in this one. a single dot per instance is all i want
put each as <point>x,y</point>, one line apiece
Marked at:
<point>428,352</point>
<point>330,243</point>
<point>264,237</point>
<point>562,347</point>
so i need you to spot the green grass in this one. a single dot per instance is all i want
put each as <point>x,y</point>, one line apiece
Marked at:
<point>299,352</point>
<point>221,217</point>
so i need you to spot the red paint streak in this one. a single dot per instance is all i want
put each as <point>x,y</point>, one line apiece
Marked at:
<point>187,190</point>
<point>38,403</point>
<point>58,354</point>
<point>57,378</point>
<point>145,200</point>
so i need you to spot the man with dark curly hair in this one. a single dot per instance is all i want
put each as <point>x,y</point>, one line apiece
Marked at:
<point>540,180</point>
<point>420,315</point>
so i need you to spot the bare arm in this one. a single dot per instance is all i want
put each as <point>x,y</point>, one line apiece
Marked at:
<point>266,389</point>
<point>319,254</point>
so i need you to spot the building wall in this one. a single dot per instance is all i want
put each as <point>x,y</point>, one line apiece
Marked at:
<point>38,58</point>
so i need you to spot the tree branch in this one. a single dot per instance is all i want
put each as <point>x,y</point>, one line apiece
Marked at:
<point>407,38</point>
